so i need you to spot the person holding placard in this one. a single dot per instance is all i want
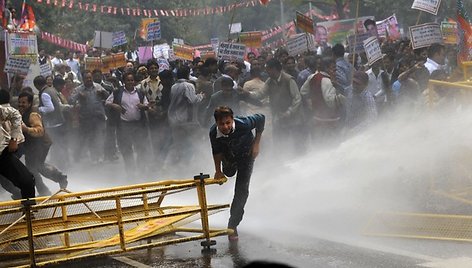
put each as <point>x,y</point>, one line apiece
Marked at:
<point>436,58</point>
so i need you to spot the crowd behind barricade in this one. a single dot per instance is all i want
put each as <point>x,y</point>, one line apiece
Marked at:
<point>155,119</point>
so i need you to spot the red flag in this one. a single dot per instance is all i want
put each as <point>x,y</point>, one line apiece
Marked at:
<point>28,20</point>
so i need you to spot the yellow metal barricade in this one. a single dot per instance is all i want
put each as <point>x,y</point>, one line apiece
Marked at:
<point>70,226</point>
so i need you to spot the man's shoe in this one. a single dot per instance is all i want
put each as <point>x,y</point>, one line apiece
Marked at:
<point>234,236</point>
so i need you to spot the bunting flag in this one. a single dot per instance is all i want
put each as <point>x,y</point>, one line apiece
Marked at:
<point>28,20</point>
<point>464,28</point>
<point>146,12</point>
<point>56,40</point>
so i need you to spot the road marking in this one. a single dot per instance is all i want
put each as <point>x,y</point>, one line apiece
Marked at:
<point>131,262</point>
<point>463,262</point>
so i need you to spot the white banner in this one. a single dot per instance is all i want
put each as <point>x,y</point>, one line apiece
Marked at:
<point>425,35</point>
<point>231,51</point>
<point>297,45</point>
<point>372,50</point>
<point>430,6</point>
<point>17,65</point>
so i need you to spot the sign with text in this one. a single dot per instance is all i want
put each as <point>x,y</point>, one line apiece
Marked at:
<point>163,64</point>
<point>17,65</point>
<point>22,43</point>
<point>153,31</point>
<point>231,51</point>
<point>143,28</point>
<point>105,63</point>
<point>119,38</point>
<point>430,6</point>
<point>161,51</point>
<point>425,35</point>
<point>45,69</point>
<point>297,44</point>
<point>93,63</point>
<point>215,42</point>
<point>183,52</point>
<point>305,23</point>
<point>372,50</point>
<point>449,32</point>
<point>357,42</point>
<point>251,39</point>
<point>389,28</point>
<point>207,54</point>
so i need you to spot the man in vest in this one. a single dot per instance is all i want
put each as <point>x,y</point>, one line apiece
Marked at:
<point>130,105</point>
<point>36,146</point>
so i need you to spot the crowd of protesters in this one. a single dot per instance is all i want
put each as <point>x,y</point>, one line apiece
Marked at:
<point>154,119</point>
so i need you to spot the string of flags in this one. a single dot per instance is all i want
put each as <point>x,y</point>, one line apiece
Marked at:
<point>146,12</point>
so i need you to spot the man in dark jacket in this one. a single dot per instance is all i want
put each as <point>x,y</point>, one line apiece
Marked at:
<point>234,149</point>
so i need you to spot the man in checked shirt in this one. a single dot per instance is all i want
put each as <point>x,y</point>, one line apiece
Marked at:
<point>10,135</point>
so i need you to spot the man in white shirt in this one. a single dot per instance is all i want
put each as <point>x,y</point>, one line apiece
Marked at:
<point>74,65</point>
<point>57,59</point>
<point>436,58</point>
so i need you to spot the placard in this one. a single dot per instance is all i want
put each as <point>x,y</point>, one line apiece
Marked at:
<point>163,64</point>
<point>372,50</point>
<point>22,43</point>
<point>215,42</point>
<point>389,28</point>
<point>144,24</point>
<point>304,23</point>
<point>183,52</point>
<point>161,51</point>
<point>425,35</point>
<point>17,65</point>
<point>235,28</point>
<point>358,44</point>
<point>144,54</point>
<point>231,51</point>
<point>204,55</point>
<point>153,31</point>
<point>449,32</point>
<point>119,38</point>
<point>105,63</point>
<point>430,6</point>
<point>251,39</point>
<point>103,39</point>
<point>93,63</point>
<point>45,69</point>
<point>297,44</point>
<point>337,31</point>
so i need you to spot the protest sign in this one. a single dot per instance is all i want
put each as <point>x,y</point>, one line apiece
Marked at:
<point>204,55</point>
<point>215,43</point>
<point>171,55</point>
<point>251,39</point>
<point>389,28</point>
<point>372,50</point>
<point>103,39</point>
<point>144,54</point>
<point>235,28</point>
<point>430,6</point>
<point>105,63</point>
<point>144,24</point>
<point>231,51</point>
<point>93,63</point>
<point>161,51</point>
<point>425,34</point>
<point>449,32</point>
<point>45,69</point>
<point>153,31</point>
<point>183,52</point>
<point>22,43</point>
<point>304,23</point>
<point>357,43</point>
<point>337,31</point>
<point>297,45</point>
<point>119,38</point>
<point>17,65</point>
<point>163,64</point>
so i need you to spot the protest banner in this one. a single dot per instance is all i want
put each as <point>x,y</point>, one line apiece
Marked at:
<point>103,39</point>
<point>357,43</point>
<point>297,44</point>
<point>338,30</point>
<point>304,23</point>
<point>144,25</point>
<point>144,54</point>
<point>251,39</point>
<point>119,38</point>
<point>372,50</point>
<point>163,64</point>
<point>425,34</point>
<point>15,65</point>
<point>93,63</point>
<point>430,6</point>
<point>215,42</point>
<point>161,51</point>
<point>183,52</point>
<point>153,31</point>
<point>45,69</point>
<point>22,43</point>
<point>449,32</point>
<point>389,28</point>
<point>231,51</point>
<point>204,55</point>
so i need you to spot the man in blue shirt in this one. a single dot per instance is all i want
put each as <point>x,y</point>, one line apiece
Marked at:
<point>234,148</point>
